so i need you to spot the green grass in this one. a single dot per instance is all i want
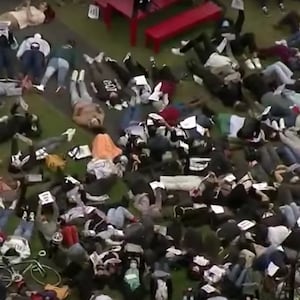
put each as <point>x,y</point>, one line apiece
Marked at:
<point>115,43</point>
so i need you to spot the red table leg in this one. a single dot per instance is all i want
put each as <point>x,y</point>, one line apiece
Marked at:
<point>108,16</point>
<point>133,31</point>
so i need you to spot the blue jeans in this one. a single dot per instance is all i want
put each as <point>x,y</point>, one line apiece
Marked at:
<point>117,216</point>
<point>25,229</point>
<point>133,114</point>
<point>237,275</point>
<point>33,63</point>
<point>287,155</point>
<point>293,41</point>
<point>4,216</point>
<point>291,213</point>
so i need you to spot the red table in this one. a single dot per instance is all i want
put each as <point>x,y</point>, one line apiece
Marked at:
<point>125,7</point>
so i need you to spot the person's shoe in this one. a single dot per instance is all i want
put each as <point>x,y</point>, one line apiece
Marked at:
<point>265,10</point>
<point>99,57</point>
<point>13,205</point>
<point>88,59</point>
<point>281,7</point>
<point>127,56</point>
<point>40,88</point>
<point>176,51</point>
<point>81,75</point>
<point>281,42</point>
<point>69,133</point>
<point>31,216</point>
<point>152,60</point>
<point>249,64</point>
<point>197,79</point>
<point>281,124</point>
<point>184,43</point>
<point>256,62</point>
<point>74,75</point>
<point>60,88</point>
<point>1,203</point>
<point>25,215</point>
<point>109,59</point>
<point>177,211</point>
<point>275,126</point>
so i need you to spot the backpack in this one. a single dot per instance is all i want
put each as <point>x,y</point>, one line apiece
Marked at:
<point>162,290</point>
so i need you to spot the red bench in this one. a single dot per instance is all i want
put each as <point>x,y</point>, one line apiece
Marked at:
<point>181,23</point>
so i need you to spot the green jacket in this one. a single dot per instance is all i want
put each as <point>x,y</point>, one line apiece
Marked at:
<point>66,52</point>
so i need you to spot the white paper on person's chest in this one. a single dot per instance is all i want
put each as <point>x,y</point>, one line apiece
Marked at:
<point>189,123</point>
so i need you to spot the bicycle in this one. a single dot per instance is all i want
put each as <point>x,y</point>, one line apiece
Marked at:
<point>40,273</point>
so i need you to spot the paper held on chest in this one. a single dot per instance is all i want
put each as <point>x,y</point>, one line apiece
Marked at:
<point>140,80</point>
<point>189,123</point>
<point>217,209</point>
<point>208,289</point>
<point>246,224</point>
<point>272,269</point>
<point>46,198</point>
<point>156,184</point>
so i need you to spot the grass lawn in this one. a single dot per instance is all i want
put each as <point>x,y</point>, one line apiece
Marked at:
<point>115,43</point>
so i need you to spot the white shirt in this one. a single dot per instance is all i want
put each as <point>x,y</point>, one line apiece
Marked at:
<point>236,123</point>
<point>217,61</point>
<point>27,44</point>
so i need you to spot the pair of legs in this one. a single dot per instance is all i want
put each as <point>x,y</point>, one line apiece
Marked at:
<point>243,42</point>
<point>33,62</point>
<point>82,96</point>
<point>202,46</point>
<point>162,74</point>
<point>117,216</point>
<point>269,159</point>
<point>292,141</point>
<point>287,155</point>
<point>291,212</point>
<point>131,116</point>
<point>228,94</point>
<point>6,62</point>
<point>59,65</point>
<point>280,72</point>
<point>263,5</point>
<point>25,229</point>
<point>4,217</point>
<point>10,89</point>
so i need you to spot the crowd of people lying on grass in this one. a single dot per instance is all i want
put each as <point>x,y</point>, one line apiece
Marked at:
<point>167,158</point>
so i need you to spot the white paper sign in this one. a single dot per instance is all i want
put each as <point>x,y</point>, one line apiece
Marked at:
<point>46,198</point>
<point>246,224</point>
<point>230,178</point>
<point>140,80</point>
<point>94,12</point>
<point>155,116</point>
<point>200,129</point>
<point>208,289</point>
<point>189,123</point>
<point>156,184</point>
<point>263,186</point>
<point>272,269</point>
<point>217,209</point>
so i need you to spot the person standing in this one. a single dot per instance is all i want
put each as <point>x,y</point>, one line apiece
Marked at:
<point>62,59</point>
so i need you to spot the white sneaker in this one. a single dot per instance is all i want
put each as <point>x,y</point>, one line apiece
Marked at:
<point>197,79</point>
<point>249,64</point>
<point>25,215</point>
<point>99,57</point>
<point>70,133</point>
<point>256,62</point>
<point>184,43</point>
<point>281,124</point>
<point>176,51</point>
<point>40,88</point>
<point>1,203</point>
<point>107,58</point>
<point>32,216</point>
<point>124,104</point>
<point>275,126</point>
<point>118,107</point>
<point>281,42</point>
<point>74,75</point>
<point>88,59</point>
<point>81,75</point>
<point>13,205</point>
<point>128,56</point>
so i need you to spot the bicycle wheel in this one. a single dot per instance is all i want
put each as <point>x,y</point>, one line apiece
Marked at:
<point>45,275</point>
<point>6,276</point>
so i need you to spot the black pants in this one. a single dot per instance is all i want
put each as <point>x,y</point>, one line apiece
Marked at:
<point>6,62</point>
<point>243,41</point>
<point>33,62</point>
<point>135,69</point>
<point>256,84</point>
<point>292,20</point>
<point>122,73</point>
<point>202,46</point>
<point>160,74</point>
<point>228,94</point>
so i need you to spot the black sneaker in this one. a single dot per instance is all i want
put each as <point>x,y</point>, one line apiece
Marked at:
<point>178,211</point>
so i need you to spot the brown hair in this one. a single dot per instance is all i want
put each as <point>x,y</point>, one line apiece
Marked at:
<point>49,14</point>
